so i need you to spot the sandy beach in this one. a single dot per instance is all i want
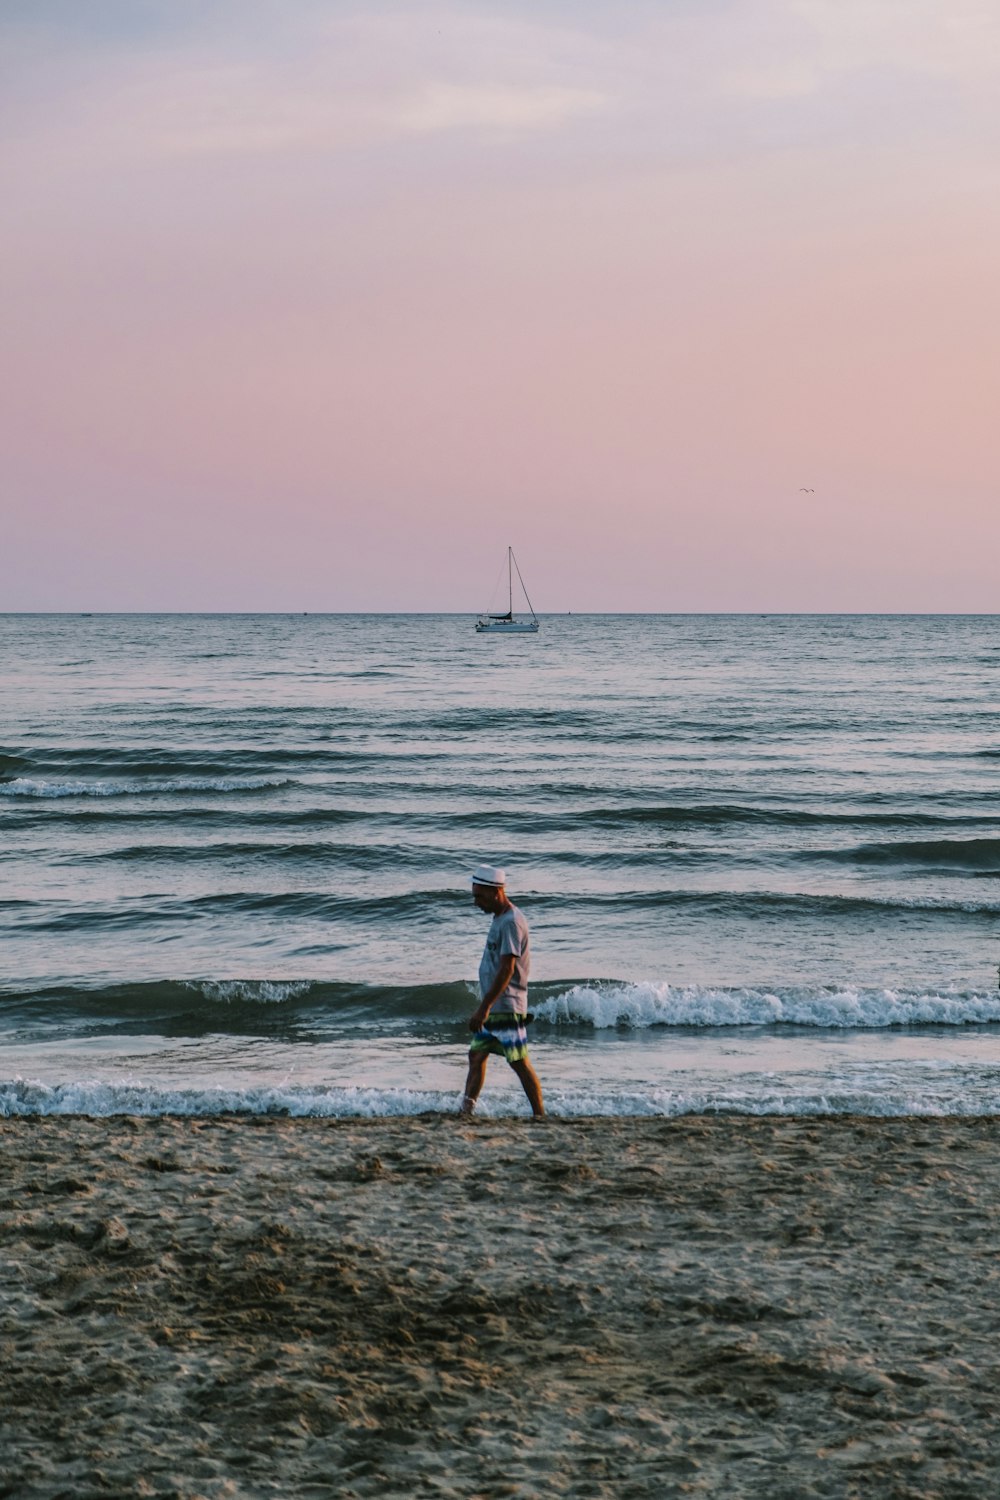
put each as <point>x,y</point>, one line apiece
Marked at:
<point>732,1307</point>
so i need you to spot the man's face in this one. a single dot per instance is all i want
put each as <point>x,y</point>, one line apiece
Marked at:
<point>486,897</point>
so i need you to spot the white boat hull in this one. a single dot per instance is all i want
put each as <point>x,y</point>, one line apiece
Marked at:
<point>506,627</point>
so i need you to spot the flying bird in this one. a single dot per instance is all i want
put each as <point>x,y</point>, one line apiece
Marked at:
<point>804,491</point>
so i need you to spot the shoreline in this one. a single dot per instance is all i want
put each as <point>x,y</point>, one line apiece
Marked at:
<point>729,1305</point>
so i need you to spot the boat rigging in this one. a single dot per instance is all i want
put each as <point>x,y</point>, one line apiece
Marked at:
<point>509,623</point>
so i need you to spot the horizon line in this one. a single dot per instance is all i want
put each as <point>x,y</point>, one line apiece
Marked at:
<point>561,614</point>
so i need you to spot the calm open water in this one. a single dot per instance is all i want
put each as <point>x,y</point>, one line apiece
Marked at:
<point>759,855</point>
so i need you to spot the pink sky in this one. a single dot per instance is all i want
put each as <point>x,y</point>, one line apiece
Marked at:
<point>317,307</point>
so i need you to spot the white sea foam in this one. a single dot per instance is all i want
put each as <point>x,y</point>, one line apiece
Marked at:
<point>24,786</point>
<point>98,1098</point>
<point>933,1096</point>
<point>258,991</point>
<point>637,1006</point>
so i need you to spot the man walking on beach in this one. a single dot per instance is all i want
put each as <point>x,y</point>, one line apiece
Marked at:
<point>498,1021</point>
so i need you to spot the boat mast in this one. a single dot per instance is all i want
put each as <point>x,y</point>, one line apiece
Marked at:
<point>510,583</point>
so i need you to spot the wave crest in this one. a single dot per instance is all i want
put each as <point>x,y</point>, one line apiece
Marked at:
<point>94,1098</point>
<point>25,786</point>
<point>636,1006</point>
<point>254,991</point>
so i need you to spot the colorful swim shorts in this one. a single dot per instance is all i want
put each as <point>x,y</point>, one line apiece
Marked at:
<point>503,1034</point>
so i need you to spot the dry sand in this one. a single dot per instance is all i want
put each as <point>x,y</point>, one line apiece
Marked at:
<point>731,1307</point>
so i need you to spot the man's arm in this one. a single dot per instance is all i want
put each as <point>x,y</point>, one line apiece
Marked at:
<point>501,979</point>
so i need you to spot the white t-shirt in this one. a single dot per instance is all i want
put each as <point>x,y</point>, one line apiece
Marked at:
<point>508,935</point>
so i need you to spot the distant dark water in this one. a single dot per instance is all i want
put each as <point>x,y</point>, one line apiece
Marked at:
<point>236,850</point>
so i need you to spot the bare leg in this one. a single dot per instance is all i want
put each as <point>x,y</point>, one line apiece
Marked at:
<point>474,1082</point>
<point>531,1086</point>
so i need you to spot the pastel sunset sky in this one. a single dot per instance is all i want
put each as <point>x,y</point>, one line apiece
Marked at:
<point>315,306</point>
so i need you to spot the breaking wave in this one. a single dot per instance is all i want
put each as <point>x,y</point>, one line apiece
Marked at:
<point>637,1006</point>
<point>928,1095</point>
<point>244,1004</point>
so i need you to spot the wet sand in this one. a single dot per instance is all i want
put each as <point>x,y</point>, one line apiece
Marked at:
<point>731,1307</point>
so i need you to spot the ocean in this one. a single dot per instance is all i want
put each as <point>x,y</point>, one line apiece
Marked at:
<point>759,856</point>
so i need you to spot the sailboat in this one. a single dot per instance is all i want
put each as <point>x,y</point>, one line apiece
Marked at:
<point>509,623</point>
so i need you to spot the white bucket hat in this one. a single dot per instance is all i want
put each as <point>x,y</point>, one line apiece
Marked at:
<point>489,875</point>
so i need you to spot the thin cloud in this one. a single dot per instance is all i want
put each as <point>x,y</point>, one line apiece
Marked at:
<point>356,81</point>
<point>258,121</point>
<point>939,38</point>
<point>496,107</point>
<point>772,81</point>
